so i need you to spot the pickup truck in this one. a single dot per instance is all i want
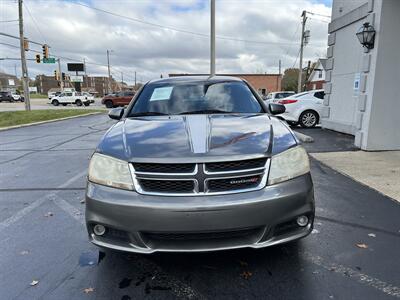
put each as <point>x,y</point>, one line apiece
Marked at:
<point>72,98</point>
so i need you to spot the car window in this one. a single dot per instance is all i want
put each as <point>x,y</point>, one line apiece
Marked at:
<point>68,94</point>
<point>191,97</point>
<point>319,95</point>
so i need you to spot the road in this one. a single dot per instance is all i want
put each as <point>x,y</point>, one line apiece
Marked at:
<point>43,240</point>
<point>42,104</point>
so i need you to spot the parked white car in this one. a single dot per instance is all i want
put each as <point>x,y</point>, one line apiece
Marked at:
<point>303,108</point>
<point>71,98</point>
<point>18,97</point>
<point>276,96</point>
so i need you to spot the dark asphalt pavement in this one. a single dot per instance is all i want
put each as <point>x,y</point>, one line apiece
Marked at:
<point>43,238</point>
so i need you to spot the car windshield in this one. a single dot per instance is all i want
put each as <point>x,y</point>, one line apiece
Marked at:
<point>195,98</point>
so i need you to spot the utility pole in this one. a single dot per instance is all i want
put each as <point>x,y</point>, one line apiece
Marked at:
<point>25,78</point>
<point>299,83</point>
<point>212,39</point>
<point>135,79</point>
<point>59,72</point>
<point>15,70</point>
<point>279,78</point>
<point>109,72</point>
<point>85,79</point>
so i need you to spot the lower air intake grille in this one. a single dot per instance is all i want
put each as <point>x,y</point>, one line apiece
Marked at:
<point>182,236</point>
<point>167,186</point>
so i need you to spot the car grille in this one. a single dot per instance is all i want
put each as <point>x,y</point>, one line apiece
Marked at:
<point>218,185</point>
<point>201,178</point>
<point>167,186</point>
<point>235,165</point>
<point>164,168</point>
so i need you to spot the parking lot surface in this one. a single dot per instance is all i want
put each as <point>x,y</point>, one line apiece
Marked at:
<point>353,252</point>
<point>42,104</point>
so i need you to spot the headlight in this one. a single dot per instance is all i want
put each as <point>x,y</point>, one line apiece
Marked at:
<point>110,171</point>
<point>288,164</point>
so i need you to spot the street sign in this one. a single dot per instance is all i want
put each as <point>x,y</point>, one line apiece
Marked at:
<point>49,60</point>
<point>75,78</point>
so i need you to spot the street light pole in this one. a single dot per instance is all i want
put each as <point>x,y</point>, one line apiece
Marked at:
<point>212,39</point>
<point>109,72</point>
<point>299,83</point>
<point>59,72</point>
<point>25,78</point>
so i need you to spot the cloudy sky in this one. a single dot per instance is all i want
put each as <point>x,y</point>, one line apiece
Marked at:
<point>165,36</point>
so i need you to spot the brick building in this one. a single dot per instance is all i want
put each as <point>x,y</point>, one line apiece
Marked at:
<point>8,82</point>
<point>93,84</point>
<point>263,83</point>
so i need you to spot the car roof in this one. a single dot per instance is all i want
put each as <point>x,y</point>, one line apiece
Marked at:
<point>196,78</point>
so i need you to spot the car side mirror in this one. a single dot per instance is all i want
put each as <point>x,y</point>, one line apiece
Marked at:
<point>276,109</point>
<point>116,113</point>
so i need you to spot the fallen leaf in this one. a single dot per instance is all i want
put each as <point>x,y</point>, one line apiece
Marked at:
<point>78,213</point>
<point>82,201</point>
<point>246,274</point>
<point>34,282</point>
<point>49,214</point>
<point>372,235</point>
<point>88,290</point>
<point>314,231</point>
<point>363,246</point>
<point>25,252</point>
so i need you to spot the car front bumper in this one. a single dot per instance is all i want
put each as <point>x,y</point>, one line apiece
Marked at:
<point>147,224</point>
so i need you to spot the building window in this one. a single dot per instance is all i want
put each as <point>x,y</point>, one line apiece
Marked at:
<point>320,74</point>
<point>263,91</point>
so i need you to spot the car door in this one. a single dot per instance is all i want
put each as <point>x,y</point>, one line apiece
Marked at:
<point>318,101</point>
<point>128,97</point>
<point>67,97</point>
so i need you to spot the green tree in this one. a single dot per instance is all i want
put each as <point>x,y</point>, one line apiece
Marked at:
<point>290,79</point>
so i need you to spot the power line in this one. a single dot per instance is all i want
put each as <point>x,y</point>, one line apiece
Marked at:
<point>34,22</point>
<point>8,21</point>
<point>178,29</point>
<point>296,59</point>
<point>317,14</point>
<point>318,20</point>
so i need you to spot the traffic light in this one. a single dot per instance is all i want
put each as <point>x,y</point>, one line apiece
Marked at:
<point>56,75</point>
<point>63,76</point>
<point>45,51</point>
<point>38,58</point>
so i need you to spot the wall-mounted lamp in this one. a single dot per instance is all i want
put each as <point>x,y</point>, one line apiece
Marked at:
<point>366,35</point>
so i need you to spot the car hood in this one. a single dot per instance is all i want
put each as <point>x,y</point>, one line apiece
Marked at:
<point>196,138</point>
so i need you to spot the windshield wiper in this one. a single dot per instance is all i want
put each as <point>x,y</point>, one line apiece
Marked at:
<point>205,111</point>
<point>147,113</point>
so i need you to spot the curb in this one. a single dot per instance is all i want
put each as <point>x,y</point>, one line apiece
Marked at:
<point>48,121</point>
<point>304,138</point>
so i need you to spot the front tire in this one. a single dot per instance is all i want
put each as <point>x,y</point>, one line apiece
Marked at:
<point>55,102</point>
<point>109,104</point>
<point>308,119</point>
<point>78,102</point>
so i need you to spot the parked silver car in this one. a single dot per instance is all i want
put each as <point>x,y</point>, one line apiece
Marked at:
<point>198,164</point>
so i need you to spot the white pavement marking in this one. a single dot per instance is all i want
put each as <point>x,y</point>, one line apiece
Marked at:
<point>380,285</point>
<point>20,214</point>
<point>69,209</point>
